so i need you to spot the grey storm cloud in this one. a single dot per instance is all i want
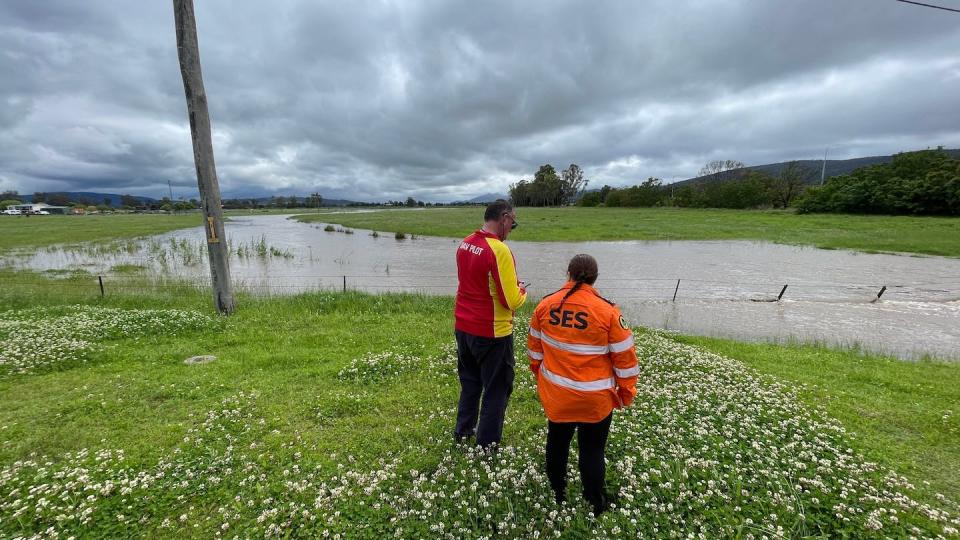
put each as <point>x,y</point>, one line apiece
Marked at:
<point>377,100</point>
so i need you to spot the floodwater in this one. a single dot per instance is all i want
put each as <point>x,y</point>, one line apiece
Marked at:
<point>726,288</point>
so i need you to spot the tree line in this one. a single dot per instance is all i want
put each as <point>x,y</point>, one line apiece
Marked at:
<point>723,184</point>
<point>925,182</point>
<point>127,202</point>
<point>547,188</point>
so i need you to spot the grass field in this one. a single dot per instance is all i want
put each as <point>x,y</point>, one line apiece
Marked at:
<point>332,411</point>
<point>922,235</point>
<point>38,231</point>
<point>906,414</point>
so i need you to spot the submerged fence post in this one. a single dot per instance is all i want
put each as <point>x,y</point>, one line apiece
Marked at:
<point>675,291</point>
<point>882,289</point>
<point>783,290</point>
<point>100,279</point>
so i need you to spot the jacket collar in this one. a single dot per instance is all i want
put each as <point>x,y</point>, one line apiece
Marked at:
<point>583,287</point>
<point>486,234</point>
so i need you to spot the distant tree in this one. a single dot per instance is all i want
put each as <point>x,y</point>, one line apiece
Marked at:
<point>58,199</point>
<point>420,204</point>
<point>592,198</point>
<point>790,183</point>
<point>926,182</point>
<point>129,201</point>
<point>411,202</point>
<point>9,202</point>
<point>688,196</point>
<point>547,189</point>
<point>719,170</point>
<point>572,183</point>
<point>10,194</point>
<point>39,197</point>
<point>315,200</point>
<point>293,201</point>
<point>107,202</point>
<point>278,201</point>
<point>520,193</point>
<point>614,198</point>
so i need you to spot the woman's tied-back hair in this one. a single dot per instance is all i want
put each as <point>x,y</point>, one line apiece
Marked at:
<point>582,269</point>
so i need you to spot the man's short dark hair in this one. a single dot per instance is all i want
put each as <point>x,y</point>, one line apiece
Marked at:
<point>496,209</point>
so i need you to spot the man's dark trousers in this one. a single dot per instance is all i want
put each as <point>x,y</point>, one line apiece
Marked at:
<point>485,366</point>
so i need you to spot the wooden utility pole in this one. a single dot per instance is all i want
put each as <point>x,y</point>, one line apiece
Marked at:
<point>189,52</point>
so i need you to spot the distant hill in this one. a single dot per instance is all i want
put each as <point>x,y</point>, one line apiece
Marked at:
<point>835,167</point>
<point>488,198</point>
<point>95,198</point>
<point>326,201</point>
<point>98,198</point>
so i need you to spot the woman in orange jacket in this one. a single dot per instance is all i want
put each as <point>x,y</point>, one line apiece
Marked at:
<point>583,357</point>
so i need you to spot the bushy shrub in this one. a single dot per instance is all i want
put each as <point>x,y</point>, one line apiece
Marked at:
<point>920,183</point>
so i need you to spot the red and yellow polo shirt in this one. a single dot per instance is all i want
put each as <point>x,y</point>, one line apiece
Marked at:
<point>488,292</point>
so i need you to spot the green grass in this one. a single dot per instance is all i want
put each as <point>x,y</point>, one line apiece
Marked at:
<point>288,348</point>
<point>38,231</point>
<point>906,414</point>
<point>922,235</point>
<point>137,395</point>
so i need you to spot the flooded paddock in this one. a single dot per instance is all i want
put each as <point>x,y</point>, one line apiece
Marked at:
<point>726,288</point>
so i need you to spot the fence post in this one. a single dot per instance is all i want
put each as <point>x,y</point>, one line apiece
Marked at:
<point>675,291</point>
<point>783,290</point>
<point>100,279</point>
<point>344,283</point>
<point>882,289</point>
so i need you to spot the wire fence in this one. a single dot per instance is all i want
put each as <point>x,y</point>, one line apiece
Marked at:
<point>671,289</point>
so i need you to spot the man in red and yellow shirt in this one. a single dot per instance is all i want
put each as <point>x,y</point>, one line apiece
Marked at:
<point>487,295</point>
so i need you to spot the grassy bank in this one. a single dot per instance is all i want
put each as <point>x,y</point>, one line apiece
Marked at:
<point>905,414</point>
<point>925,235</point>
<point>332,411</point>
<point>38,231</point>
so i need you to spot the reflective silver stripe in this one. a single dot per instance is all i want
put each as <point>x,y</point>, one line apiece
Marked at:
<point>589,386</point>
<point>575,348</point>
<point>629,372</point>
<point>621,346</point>
<point>535,355</point>
<point>535,333</point>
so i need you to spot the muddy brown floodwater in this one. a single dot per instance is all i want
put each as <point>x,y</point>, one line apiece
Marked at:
<point>727,288</point>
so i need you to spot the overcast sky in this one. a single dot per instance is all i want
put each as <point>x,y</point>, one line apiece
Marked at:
<point>447,100</point>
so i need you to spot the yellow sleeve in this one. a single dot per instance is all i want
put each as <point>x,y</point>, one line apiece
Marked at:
<point>505,276</point>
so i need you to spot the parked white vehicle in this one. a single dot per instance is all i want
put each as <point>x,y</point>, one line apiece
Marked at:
<point>42,213</point>
<point>12,212</point>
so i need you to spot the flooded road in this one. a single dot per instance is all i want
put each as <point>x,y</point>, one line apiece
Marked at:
<point>726,288</point>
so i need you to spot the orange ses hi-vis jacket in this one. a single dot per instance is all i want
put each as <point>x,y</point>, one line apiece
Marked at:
<point>488,292</point>
<point>583,355</point>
